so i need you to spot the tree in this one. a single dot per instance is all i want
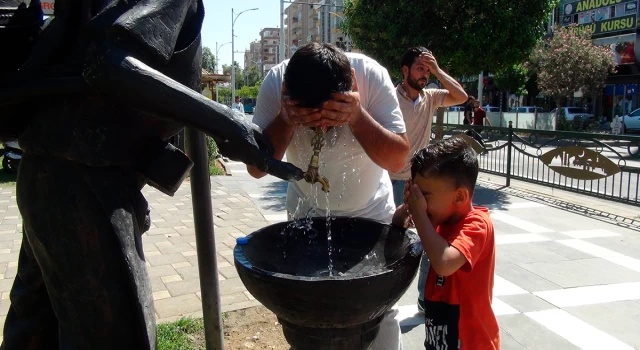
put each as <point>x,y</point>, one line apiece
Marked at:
<point>467,36</point>
<point>252,75</point>
<point>226,69</point>
<point>512,79</point>
<point>569,62</point>
<point>208,60</point>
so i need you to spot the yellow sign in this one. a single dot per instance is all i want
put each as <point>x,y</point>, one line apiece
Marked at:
<point>594,4</point>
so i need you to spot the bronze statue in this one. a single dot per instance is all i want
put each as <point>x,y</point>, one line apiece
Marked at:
<point>93,98</point>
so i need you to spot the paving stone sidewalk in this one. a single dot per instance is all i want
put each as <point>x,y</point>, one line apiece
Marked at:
<point>169,246</point>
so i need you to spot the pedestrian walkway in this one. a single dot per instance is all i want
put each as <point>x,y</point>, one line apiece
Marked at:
<point>562,281</point>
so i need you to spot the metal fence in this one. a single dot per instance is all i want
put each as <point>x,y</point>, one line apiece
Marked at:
<point>600,165</point>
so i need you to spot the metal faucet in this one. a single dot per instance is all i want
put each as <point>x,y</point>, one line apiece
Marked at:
<point>312,176</point>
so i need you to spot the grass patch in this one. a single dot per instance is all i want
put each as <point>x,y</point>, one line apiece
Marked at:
<point>215,168</point>
<point>7,179</point>
<point>184,334</point>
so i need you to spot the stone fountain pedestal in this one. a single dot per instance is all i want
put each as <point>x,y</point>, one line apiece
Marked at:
<point>287,270</point>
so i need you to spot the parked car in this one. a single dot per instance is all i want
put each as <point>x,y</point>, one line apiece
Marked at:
<point>631,121</point>
<point>571,112</point>
<point>526,109</point>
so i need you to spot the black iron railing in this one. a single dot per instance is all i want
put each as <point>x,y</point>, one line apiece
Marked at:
<point>601,165</point>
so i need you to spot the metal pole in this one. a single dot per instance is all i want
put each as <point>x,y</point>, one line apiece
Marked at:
<point>281,53</point>
<point>233,68</point>
<point>509,141</point>
<point>217,59</point>
<point>205,240</point>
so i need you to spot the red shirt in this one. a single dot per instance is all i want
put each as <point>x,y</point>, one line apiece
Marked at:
<point>458,313</point>
<point>478,116</point>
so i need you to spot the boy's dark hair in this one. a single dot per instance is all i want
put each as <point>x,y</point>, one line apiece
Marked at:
<point>411,54</point>
<point>315,72</point>
<point>449,158</point>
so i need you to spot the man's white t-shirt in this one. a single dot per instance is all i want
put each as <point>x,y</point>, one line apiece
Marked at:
<point>238,107</point>
<point>359,187</point>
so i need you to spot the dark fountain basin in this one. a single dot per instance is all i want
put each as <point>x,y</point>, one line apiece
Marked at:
<point>286,269</point>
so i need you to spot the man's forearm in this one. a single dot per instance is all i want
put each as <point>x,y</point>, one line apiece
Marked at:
<point>457,95</point>
<point>279,134</point>
<point>385,148</point>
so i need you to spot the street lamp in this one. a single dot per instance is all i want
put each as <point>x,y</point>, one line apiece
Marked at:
<point>218,59</point>
<point>233,67</point>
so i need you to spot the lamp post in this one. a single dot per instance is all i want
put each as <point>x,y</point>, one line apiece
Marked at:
<point>218,59</point>
<point>233,67</point>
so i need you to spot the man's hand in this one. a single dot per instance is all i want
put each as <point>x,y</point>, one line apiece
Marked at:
<point>342,108</point>
<point>416,202</point>
<point>295,116</point>
<point>247,144</point>
<point>427,59</point>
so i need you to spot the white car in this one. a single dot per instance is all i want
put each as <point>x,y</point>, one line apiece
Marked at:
<point>571,112</point>
<point>631,121</point>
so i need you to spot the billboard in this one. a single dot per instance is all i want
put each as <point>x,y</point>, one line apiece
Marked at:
<point>47,7</point>
<point>602,16</point>
<point>612,23</point>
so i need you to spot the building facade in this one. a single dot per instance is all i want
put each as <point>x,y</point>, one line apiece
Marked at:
<point>315,21</point>
<point>613,24</point>
<point>269,48</point>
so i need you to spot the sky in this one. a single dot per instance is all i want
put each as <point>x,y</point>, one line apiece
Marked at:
<point>217,25</point>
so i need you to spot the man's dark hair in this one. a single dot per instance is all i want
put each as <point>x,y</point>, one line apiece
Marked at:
<point>315,72</point>
<point>449,158</point>
<point>411,54</point>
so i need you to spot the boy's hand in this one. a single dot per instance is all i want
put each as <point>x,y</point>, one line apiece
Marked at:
<point>417,203</point>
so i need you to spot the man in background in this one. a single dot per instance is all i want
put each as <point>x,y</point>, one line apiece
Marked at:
<point>418,106</point>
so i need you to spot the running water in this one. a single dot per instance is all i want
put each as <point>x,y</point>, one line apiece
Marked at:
<point>329,245</point>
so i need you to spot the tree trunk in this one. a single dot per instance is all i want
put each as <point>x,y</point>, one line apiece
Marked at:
<point>439,123</point>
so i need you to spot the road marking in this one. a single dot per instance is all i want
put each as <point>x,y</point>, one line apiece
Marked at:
<point>276,217</point>
<point>408,316</point>
<point>591,294</point>
<point>576,331</point>
<point>519,205</point>
<point>603,253</point>
<point>501,308</point>
<point>503,287</point>
<point>260,196</point>
<point>520,238</point>
<point>590,248</point>
<point>581,234</point>
<point>513,221</point>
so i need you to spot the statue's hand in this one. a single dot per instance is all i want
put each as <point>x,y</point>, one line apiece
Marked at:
<point>251,147</point>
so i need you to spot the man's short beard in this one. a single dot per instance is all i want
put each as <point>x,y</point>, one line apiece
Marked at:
<point>415,84</point>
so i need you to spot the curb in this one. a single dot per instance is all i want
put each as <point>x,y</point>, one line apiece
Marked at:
<point>227,168</point>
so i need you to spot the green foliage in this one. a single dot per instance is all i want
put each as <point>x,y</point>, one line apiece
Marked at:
<point>178,335</point>
<point>252,75</point>
<point>513,79</point>
<point>239,73</point>
<point>208,60</point>
<point>212,149</point>
<point>248,91</point>
<point>466,36</point>
<point>569,62</point>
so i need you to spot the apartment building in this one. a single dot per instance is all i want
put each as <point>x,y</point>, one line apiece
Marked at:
<point>317,22</point>
<point>269,48</point>
<point>253,56</point>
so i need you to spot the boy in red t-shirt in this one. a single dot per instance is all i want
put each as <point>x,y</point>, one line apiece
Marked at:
<point>458,238</point>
